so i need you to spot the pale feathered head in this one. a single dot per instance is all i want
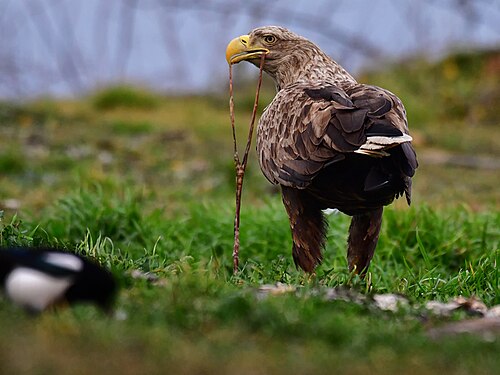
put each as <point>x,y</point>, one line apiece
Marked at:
<point>288,57</point>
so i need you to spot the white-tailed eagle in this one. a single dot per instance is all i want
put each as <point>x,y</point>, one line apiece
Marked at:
<point>329,142</point>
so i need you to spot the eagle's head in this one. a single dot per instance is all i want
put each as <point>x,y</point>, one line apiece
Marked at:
<point>288,57</point>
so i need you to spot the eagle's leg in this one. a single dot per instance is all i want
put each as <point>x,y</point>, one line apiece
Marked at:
<point>308,228</point>
<point>363,238</point>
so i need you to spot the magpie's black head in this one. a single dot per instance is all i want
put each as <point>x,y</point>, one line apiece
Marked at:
<point>93,284</point>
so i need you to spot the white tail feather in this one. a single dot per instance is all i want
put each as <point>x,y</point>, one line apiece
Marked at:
<point>378,143</point>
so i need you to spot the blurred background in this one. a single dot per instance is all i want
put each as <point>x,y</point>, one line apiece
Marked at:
<point>70,47</point>
<point>134,92</point>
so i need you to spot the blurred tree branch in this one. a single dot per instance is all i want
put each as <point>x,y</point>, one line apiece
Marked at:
<point>49,44</point>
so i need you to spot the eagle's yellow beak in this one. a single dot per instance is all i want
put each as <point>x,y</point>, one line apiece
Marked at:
<point>239,49</point>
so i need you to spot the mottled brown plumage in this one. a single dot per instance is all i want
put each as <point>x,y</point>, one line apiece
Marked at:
<point>329,142</point>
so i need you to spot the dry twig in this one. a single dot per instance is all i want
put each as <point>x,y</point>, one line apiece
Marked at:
<point>241,165</point>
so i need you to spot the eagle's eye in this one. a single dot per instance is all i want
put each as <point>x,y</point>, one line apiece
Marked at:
<point>269,39</point>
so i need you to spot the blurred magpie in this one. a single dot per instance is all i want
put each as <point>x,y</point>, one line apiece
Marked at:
<point>39,278</point>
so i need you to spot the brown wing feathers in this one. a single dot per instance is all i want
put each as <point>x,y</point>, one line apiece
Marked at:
<point>330,123</point>
<point>363,117</point>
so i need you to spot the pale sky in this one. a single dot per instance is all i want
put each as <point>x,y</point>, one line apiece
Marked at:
<point>69,47</point>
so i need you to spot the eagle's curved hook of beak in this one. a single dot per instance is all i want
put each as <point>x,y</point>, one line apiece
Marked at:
<point>239,49</point>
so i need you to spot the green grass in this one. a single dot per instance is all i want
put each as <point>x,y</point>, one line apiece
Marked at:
<point>201,318</point>
<point>180,148</point>
<point>124,97</point>
<point>422,253</point>
<point>146,183</point>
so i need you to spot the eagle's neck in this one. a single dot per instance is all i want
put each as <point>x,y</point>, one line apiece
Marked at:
<point>310,65</point>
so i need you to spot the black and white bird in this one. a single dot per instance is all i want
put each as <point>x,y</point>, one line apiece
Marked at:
<point>37,279</point>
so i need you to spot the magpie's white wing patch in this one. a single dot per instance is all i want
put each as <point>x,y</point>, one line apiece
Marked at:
<point>67,261</point>
<point>35,290</point>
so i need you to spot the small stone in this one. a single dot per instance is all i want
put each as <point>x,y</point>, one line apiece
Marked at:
<point>278,288</point>
<point>390,302</point>
<point>344,294</point>
<point>11,204</point>
<point>138,274</point>
<point>472,305</point>
<point>494,312</point>
<point>441,308</point>
<point>120,315</point>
